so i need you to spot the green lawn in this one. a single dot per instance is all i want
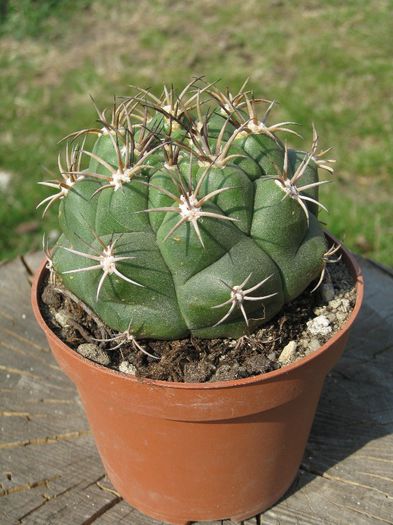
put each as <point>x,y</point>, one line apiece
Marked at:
<point>326,62</point>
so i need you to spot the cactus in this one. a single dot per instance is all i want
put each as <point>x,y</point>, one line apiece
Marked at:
<point>187,215</point>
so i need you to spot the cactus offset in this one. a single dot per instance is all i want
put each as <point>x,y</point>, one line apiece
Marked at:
<point>188,216</point>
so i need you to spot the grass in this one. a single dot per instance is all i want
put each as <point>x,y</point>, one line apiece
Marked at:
<point>325,62</point>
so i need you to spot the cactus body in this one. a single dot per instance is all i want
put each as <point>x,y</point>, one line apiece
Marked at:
<point>176,271</point>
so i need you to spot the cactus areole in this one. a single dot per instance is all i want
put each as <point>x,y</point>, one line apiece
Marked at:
<point>187,215</point>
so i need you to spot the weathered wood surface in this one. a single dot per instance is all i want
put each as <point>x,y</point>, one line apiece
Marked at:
<point>51,473</point>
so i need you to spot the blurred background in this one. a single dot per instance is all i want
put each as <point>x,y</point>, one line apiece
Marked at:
<point>328,62</point>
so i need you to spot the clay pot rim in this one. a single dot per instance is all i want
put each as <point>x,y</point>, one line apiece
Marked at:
<point>351,263</point>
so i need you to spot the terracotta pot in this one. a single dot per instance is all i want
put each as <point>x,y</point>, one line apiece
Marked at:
<point>183,452</point>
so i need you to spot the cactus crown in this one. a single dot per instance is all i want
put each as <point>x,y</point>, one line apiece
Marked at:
<point>187,215</point>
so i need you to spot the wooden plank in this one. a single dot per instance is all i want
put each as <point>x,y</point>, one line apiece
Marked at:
<point>51,473</point>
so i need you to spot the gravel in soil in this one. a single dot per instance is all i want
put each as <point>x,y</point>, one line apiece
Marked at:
<point>300,328</point>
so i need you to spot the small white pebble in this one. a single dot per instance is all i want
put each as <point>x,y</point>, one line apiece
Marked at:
<point>335,304</point>
<point>23,316</point>
<point>303,341</point>
<point>319,326</point>
<point>345,305</point>
<point>341,317</point>
<point>94,353</point>
<point>288,352</point>
<point>62,318</point>
<point>127,368</point>
<point>313,345</point>
<point>331,316</point>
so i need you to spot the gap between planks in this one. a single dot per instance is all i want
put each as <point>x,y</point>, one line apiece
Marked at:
<point>329,477</point>
<point>47,440</point>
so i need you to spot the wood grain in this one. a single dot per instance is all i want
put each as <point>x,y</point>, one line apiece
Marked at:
<point>51,473</point>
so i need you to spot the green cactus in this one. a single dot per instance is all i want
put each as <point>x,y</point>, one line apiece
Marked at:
<point>187,215</point>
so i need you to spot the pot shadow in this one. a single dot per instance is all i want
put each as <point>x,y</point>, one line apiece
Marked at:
<point>356,405</point>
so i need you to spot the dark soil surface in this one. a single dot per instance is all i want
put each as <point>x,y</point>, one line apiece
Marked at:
<point>300,328</point>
